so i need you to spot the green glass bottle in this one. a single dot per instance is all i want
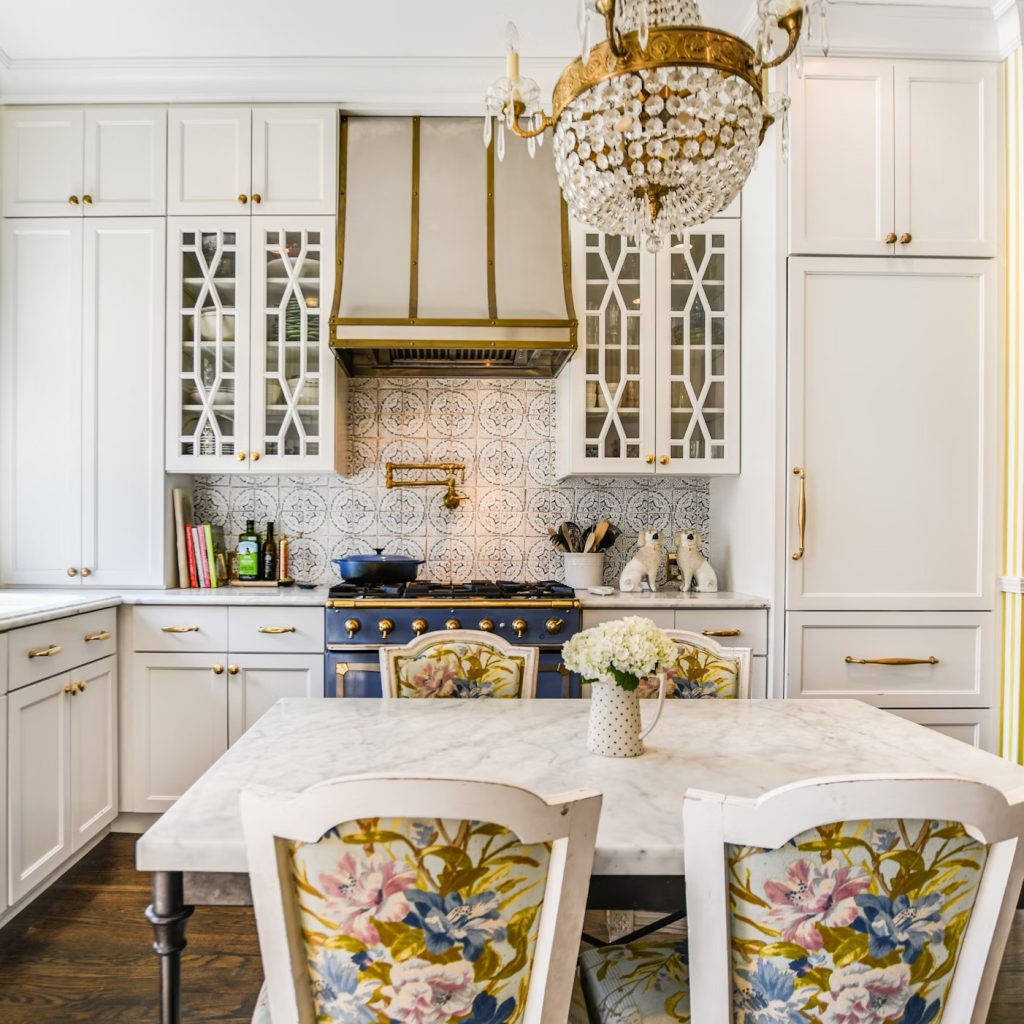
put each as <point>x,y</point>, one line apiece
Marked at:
<point>249,552</point>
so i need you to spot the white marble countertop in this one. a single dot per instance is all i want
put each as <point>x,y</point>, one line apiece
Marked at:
<point>670,599</point>
<point>741,747</point>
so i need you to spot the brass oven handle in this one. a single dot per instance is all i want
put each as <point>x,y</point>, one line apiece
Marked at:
<point>103,634</point>
<point>850,660</point>
<point>276,630</point>
<point>179,629</point>
<point>721,632</point>
<point>801,514</point>
<point>46,652</point>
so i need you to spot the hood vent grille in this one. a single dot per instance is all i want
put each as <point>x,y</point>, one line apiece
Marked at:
<point>450,263</point>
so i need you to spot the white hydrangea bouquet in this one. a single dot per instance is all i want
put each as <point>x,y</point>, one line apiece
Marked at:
<point>613,657</point>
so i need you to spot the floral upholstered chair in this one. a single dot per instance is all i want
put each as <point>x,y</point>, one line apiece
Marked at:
<point>844,901</point>
<point>703,669</point>
<point>419,901</point>
<point>458,663</point>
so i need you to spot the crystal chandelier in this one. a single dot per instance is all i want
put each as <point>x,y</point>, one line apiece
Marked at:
<point>657,128</point>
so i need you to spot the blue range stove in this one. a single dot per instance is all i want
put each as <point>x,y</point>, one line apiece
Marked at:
<point>362,620</point>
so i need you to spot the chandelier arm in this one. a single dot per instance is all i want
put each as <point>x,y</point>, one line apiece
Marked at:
<point>531,133</point>
<point>790,23</point>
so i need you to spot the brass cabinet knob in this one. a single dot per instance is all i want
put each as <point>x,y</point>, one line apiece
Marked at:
<point>73,200</point>
<point>890,239</point>
<point>352,626</point>
<point>453,624</point>
<point>72,572</point>
<point>240,456</point>
<point>419,626</point>
<point>554,626</point>
<point>232,670</point>
<point>905,238</point>
<point>385,626</point>
<point>69,689</point>
<point>486,625</point>
<point>243,198</point>
<point>87,199</point>
<point>649,460</point>
<point>663,460</point>
<point>87,572</point>
<point>257,198</point>
<point>78,687</point>
<point>218,670</point>
<point>255,456</point>
<point>519,627</point>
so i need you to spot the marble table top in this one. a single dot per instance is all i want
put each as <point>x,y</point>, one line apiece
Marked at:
<point>741,747</point>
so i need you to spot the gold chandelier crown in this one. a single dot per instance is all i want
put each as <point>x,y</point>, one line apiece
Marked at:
<point>656,128</point>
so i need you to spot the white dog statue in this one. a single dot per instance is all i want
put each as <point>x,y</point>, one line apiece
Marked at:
<point>693,566</point>
<point>643,564</point>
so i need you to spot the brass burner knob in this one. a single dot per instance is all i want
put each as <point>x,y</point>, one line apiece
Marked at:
<point>487,625</point>
<point>519,627</point>
<point>352,626</point>
<point>453,624</point>
<point>419,626</point>
<point>554,625</point>
<point>385,626</point>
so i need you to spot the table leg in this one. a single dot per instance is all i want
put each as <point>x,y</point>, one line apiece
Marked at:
<point>168,915</point>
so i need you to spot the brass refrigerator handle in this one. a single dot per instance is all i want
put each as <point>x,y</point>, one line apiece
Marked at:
<point>801,512</point>
<point>932,660</point>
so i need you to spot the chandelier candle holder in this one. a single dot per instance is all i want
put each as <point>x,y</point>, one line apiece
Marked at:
<point>657,128</point>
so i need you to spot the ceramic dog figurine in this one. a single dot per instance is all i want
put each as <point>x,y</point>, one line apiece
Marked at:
<point>693,566</point>
<point>644,564</point>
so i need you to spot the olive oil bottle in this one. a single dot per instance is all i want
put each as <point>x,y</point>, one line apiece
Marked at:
<point>249,552</point>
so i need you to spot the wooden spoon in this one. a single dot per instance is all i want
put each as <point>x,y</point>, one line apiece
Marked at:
<point>600,529</point>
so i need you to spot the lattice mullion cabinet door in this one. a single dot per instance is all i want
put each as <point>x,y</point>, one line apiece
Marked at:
<point>606,395</point>
<point>292,379</point>
<point>698,352</point>
<point>208,344</point>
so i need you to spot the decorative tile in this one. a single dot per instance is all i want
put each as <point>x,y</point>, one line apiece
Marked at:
<point>451,413</point>
<point>303,510</point>
<point>450,560</point>
<point>499,512</point>
<point>403,411</point>
<point>362,413</point>
<point>543,562</point>
<point>307,560</point>
<point>353,511</point>
<point>501,558</point>
<point>362,464</point>
<point>501,463</point>
<point>210,505</point>
<point>648,509</point>
<point>401,512</point>
<point>399,451</point>
<point>540,464</point>
<point>546,508</point>
<point>593,506</point>
<point>501,413</point>
<point>540,414</point>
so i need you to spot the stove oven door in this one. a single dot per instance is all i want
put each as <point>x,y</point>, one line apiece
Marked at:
<point>352,673</point>
<point>553,678</point>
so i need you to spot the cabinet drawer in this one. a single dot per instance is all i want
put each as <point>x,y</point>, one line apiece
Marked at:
<point>752,624</point>
<point>276,629</point>
<point>3,663</point>
<point>826,655</point>
<point>975,726</point>
<point>180,628</point>
<point>662,617</point>
<point>47,648</point>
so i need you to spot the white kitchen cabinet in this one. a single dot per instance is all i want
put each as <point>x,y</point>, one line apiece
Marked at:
<point>256,681</point>
<point>250,377</point>
<point>178,728</point>
<point>975,726</point>
<point>82,326</point>
<point>39,777</point>
<point>892,422</point>
<point>92,756</point>
<point>654,386</point>
<point>98,161</point>
<point>4,888</point>
<point>265,160</point>
<point>867,137</point>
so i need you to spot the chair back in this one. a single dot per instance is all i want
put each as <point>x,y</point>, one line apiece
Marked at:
<point>703,668</point>
<point>419,899</point>
<point>867,899</point>
<point>458,663</point>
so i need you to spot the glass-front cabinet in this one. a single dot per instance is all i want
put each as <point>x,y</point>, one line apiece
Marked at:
<point>250,376</point>
<point>654,385</point>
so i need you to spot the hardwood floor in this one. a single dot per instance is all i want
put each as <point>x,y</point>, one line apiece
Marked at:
<point>81,954</point>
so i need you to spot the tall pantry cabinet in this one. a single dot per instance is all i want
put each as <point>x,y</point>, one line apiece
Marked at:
<point>892,401</point>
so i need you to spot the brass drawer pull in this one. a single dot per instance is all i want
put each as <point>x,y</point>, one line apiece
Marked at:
<point>180,629</point>
<point>801,512</point>
<point>275,630</point>
<point>46,652</point>
<point>850,660</point>
<point>720,632</point>
<point>103,634</point>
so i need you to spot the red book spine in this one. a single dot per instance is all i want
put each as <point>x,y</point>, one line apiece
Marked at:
<point>190,547</point>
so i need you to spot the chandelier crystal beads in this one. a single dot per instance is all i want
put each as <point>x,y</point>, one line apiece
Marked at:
<point>657,128</point>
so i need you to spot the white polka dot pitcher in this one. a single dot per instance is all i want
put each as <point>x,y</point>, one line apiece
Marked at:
<point>615,728</point>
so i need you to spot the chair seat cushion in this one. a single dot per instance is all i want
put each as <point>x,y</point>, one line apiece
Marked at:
<point>641,982</point>
<point>261,1015</point>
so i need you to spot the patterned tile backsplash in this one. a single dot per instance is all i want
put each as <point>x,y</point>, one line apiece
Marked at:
<point>505,434</point>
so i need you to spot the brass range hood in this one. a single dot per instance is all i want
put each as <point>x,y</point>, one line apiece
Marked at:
<point>450,262</point>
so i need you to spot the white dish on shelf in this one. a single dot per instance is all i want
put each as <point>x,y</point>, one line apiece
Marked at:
<point>208,325</point>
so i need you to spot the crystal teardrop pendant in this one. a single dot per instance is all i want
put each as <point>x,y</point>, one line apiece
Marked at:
<point>499,147</point>
<point>488,130</point>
